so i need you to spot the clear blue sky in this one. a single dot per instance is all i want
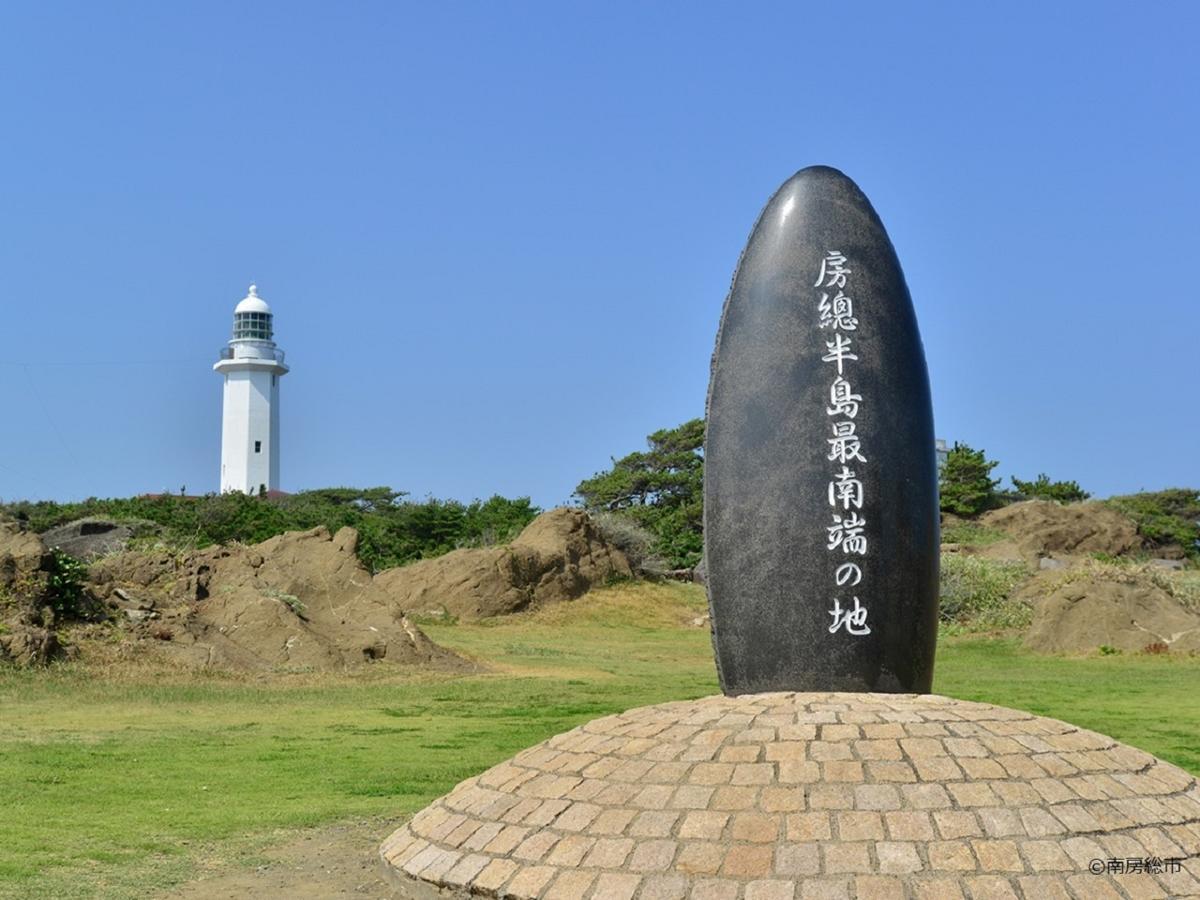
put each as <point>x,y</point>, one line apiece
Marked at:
<point>497,236</point>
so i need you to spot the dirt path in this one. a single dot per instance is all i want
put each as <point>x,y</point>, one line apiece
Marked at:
<point>336,861</point>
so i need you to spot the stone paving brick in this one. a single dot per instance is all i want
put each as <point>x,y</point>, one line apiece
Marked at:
<point>990,887</point>
<point>770,889</point>
<point>753,773</point>
<point>570,885</point>
<point>878,887</point>
<point>938,889</point>
<point>796,859</point>
<point>860,826</point>
<point>507,840</point>
<point>873,797</point>
<point>608,853</point>
<point>998,856</point>
<point>1038,822</point>
<point>1089,887</point>
<point>1051,887</point>
<point>755,828</point>
<point>747,861</point>
<point>847,857</point>
<point>700,857</point>
<point>825,889</point>
<point>1015,793</point>
<point>810,826</point>
<point>781,799</point>
<point>652,856</point>
<point>482,836</point>
<point>1000,822</point>
<point>953,856</point>
<point>909,825</point>
<point>495,874</point>
<point>936,768</point>
<point>691,796</point>
<point>535,846</point>
<point>664,887</point>
<point>704,825</point>
<point>653,823</point>
<point>740,754</point>
<point>466,869</point>
<point>612,821</point>
<point>711,773</point>
<point>570,851</point>
<point>577,817</point>
<point>656,796</point>
<point>924,796</point>
<point>833,796</point>
<point>897,857</point>
<point>798,772</point>
<point>1046,856</point>
<point>715,889</point>
<point>529,882</point>
<point>615,886</point>
<point>734,798</point>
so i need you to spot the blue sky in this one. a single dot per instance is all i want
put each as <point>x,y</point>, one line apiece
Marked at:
<point>497,236</point>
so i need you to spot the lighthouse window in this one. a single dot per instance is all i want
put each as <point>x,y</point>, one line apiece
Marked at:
<point>258,446</point>
<point>253,326</point>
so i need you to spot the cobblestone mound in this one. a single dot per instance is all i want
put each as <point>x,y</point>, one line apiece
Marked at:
<point>797,796</point>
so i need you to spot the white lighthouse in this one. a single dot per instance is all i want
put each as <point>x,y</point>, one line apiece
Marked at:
<point>251,366</point>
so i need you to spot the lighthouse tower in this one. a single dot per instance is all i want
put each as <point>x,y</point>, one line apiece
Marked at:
<point>251,366</point>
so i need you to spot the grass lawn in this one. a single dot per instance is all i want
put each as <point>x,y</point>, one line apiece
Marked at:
<point>125,783</point>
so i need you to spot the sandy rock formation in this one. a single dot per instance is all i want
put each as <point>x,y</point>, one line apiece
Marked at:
<point>559,556</point>
<point>27,635</point>
<point>298,600</point>
<point>91,537</point>
<point>1085,610</point>
<point>1045,528</point>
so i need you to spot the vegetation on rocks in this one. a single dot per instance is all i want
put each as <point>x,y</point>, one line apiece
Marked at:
<point>1169,518</point>
<point>976,594</point>
<point>661,489</point>
<point>1042,488</point>
<point>393,530</point>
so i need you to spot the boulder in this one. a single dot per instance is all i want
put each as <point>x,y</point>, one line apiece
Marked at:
<point>89,538</point>
<point>1045,528</point>
<point>27,635</point>
<point>298,600</point>
<point>1084,611</point>
<point>559,556</point>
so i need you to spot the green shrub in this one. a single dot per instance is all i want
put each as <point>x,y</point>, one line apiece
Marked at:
<point>976,593</point>
<point>1042,488</point>
<point>1164,518</point>
<point>661,489</point>
<point>965,485</point>
<point>65,592</point>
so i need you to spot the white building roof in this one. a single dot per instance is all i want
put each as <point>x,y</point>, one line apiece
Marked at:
<point>252,302</point>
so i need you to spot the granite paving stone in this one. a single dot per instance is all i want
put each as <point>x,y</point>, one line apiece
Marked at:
<point>1002,805</point>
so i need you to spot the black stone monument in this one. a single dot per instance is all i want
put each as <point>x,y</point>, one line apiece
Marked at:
<point>820,492</point>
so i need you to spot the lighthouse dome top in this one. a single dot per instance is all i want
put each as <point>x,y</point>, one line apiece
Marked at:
<point>252,303</point>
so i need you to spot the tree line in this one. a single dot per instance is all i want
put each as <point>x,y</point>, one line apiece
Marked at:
<point>662,490</point>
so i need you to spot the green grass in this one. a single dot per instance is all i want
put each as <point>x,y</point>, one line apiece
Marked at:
<point>972,534</point>
<point>121,783</point>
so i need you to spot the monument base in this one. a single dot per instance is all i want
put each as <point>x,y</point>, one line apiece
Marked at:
<point>784,795</point>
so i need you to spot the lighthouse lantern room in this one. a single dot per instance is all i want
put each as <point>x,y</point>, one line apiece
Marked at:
<point>251,365</point>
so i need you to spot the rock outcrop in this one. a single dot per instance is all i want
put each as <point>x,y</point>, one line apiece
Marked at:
<point>27,635</point>
<point>1083,611</point>
<point>298,600</point>
<point>1045,528</point>
<point>559,556</point>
